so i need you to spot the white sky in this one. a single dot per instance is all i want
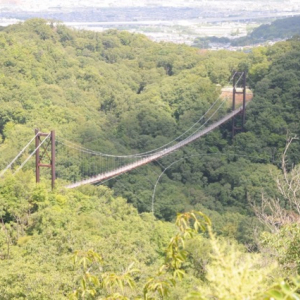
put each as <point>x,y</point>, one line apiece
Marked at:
<point>44,4</point>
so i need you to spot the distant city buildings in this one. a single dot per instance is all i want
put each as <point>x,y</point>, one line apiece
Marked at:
<point>175,21</point>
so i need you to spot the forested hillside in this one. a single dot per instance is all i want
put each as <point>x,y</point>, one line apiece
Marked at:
<point>280,29</point>
<point>120,93</point>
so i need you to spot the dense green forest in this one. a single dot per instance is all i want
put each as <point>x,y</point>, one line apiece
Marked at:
<point>119,93</point>
<point>280,29</point>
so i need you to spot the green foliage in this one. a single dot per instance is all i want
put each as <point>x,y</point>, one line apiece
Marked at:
<point>159,286</point>
<point>120,93</point>
<point>232,274</point>
<point>39,255</point>
<point>117,92</point>
<point>274,112</point>
<point>284,246</point>
<point>41,230</point>
<point>111,283</point>
<point>285,290</point>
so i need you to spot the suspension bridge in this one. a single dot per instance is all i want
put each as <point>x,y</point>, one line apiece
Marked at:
<point>149,158</point>
<point>96,167</point>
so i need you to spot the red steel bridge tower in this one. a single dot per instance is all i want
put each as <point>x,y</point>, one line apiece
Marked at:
<point>43,156</point>
<point>239,79</point>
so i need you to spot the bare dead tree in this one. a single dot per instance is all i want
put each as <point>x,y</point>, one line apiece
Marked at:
<point>289,186</point>
<point>271,211</point>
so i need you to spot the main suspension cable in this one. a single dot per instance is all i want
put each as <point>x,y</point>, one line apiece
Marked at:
<point>19,154</point>
<point>147,153</point>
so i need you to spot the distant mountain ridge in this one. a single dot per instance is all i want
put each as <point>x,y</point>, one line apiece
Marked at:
<point>277,30</point>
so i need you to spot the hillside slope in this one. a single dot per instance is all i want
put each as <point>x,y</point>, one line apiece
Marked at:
<point>120,93</point>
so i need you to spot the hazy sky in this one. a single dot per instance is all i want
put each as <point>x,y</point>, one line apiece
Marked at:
<point>44,4</point>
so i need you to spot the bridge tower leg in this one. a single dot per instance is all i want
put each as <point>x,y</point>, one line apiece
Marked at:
<point>40,155</point>
<point>236,79</point>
